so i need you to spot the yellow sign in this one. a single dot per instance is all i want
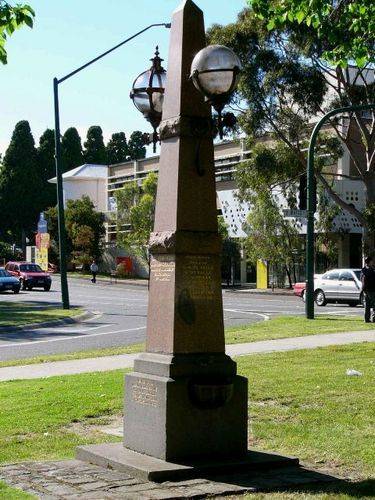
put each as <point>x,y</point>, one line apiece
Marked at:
<point>41,258</point>
<point>262,274</point>
<point>44,240</point>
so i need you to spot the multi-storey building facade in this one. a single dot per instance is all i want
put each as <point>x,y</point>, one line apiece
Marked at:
<point>228,155</point>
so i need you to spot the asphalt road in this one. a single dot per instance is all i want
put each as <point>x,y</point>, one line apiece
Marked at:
<point>121,313</point>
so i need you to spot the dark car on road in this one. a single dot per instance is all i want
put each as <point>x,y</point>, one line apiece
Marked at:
<point>8,282</point>
<point>30,275</point>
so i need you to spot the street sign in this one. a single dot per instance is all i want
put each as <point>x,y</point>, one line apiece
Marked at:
<point>42,224</point>
<point>295,213</point>
<point>41,258</point>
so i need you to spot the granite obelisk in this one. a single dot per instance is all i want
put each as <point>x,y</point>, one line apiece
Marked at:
<point>184,398</point>
<point>185,405</point>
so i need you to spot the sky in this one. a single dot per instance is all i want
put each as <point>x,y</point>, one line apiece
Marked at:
<point>68,33</point>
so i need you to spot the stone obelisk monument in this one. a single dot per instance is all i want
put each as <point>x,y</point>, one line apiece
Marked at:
<point>184,399</point>
<point>184,403</point>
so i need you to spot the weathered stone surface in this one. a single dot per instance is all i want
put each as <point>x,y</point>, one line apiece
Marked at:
<point>41,482</point>
<point>196,416</point>
<point>145,467</point>
<point>184,399</point>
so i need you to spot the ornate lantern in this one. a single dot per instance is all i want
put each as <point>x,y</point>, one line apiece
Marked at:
<point>147,94</point>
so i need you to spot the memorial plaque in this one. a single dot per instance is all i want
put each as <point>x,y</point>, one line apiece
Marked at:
<point>162,268</point>
<point>198,276</point>
<point>145,392</point>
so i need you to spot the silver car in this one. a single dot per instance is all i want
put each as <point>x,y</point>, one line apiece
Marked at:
<point>339,285</point>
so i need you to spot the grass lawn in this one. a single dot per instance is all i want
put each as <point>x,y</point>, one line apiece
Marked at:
<point>110,351</point>
<point>281,327</point>
<point>295,326</point>
<point>8,493</point>
<point>20,314</point>
<point>301,403</point>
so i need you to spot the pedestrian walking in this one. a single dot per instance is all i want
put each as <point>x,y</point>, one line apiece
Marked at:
<point>94,271</point>
<point>368,289</point>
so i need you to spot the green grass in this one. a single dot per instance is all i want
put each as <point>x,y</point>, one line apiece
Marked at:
<point>36,415</point>
<point>282,327</point>
<point>295,326</point>
<point>110,351</point>
<point>301,403</point>
<point>21,314</point>
<point>8,493</point>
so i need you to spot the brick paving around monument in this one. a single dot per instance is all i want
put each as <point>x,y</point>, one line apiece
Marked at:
<point>72,479</point>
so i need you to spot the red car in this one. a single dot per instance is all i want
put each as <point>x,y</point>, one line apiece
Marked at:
<point>300,288</point>
<point>30,275</point>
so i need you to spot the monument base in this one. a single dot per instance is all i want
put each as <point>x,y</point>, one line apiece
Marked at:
<point>185,407</point>
<point>115,456</point>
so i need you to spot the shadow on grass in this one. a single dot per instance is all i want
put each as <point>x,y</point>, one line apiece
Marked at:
<point>13,314</point>
<point>299,481</point>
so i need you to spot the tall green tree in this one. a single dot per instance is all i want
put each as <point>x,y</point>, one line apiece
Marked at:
<point>230,252</point>
<point>136,145</point>
<point>345,28</point>
<point>135,214</point>
<point>71,146</point>
<point>117,148</point>
<point>85,230</point>
<point>12,18</point>
<point>20,184</point>
<point>94,146</point>
<point>46,166</point>
<point>285,84</point>
<point>279,247</point>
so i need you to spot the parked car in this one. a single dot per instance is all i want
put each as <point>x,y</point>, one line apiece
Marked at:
<point>337,285</point>
<point>8,282</point>
<point>300,287</point>
<point>30,275</point>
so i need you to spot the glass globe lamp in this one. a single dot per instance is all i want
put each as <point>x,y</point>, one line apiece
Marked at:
<point>147,93</point>
<point>215,72</point>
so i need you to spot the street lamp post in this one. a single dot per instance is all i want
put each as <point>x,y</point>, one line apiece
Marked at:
<point>60,196</point>
<point>311,202</point>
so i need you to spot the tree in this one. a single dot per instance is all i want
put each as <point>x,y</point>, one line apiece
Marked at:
<point>71,147</point>
<point>271,236</point>
<point>230,252</point>
<point>345,28</point>
<point>94,146</point>
<point>136,145</point>
<point>136,213</point>
<point>12,18</point>
<point>21,185</point>
<point>117,149</point>
<point>285,84</point>
<point>85,230</point>
<point>47,168</point>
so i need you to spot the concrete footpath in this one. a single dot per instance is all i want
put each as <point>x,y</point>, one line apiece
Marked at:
<point>121,361</point>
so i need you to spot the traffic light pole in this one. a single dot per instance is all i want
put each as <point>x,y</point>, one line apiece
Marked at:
<point>58,162</point>
<point>311,204</point>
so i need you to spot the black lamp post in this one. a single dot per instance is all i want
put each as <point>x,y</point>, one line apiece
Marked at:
<point>60,192</point>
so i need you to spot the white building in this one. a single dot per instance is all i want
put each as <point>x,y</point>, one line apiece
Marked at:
<point>87,180</point>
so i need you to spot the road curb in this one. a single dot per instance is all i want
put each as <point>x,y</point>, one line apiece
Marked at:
<point>57,322</point>
<point>112,282</point>
<point>262,292</point>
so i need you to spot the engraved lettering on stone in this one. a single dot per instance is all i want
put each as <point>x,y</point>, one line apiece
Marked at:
<point>162,270</point>
<point>198,276</point>
<point>145,393</point>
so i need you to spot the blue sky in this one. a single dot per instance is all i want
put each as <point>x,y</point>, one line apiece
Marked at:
<point>67,33</point>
